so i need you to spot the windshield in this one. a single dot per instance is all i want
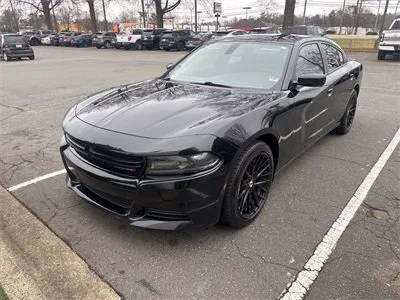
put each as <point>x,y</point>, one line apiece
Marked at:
<point>234,64</point>
<point>396,25</point>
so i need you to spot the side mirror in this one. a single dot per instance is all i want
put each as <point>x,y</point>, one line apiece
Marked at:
<point>169,66</point>
<point>313,80</point>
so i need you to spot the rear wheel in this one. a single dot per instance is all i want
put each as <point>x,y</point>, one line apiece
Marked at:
<point>107,44</point>
<point>98,47</point>
<point>381,55</point>
<point>181,46</point>
<point>32,57</point>
<point>248,185</point>
<point>347,120</point>
<point>5,57</point>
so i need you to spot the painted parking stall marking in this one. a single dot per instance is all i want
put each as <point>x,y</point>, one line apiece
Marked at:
<point>299,287</point>
<point>35,180</point>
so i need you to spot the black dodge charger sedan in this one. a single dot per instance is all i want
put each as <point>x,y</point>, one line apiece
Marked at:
<point>203,142</point>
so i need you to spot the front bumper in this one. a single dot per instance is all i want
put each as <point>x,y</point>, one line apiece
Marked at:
<point>168,203</point>
<point>390,47</point>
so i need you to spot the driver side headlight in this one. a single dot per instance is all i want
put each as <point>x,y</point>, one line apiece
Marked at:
<point>181,164</point>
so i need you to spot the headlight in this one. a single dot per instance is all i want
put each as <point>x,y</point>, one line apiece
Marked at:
<point>180,164</point>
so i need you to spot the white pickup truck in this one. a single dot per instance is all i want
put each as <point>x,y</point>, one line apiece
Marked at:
<point>130,40</point>
<point>389,42</point>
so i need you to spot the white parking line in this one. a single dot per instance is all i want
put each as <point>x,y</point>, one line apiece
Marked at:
<point>35,180</point>
<point>297,289</point>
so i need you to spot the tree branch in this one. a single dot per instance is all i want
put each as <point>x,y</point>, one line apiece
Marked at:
<point>172,7</point>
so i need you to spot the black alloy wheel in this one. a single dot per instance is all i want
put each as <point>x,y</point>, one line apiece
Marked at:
<point>248,185</point>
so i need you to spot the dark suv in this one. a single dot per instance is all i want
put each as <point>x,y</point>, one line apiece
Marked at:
<point>175,39</point>
<point>15,46</point>
<point>151,38</point>
<point>104,39</point>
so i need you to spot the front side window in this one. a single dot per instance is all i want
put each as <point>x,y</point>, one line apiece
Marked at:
<point>333,56</point>
<point>309,61</point>
<point>235,64</point>
<point>396,25</point>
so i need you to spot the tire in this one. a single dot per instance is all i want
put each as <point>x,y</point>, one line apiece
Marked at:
<point>34,42</point>
<point>32,57</point>
<point>117,47</point>
<point>107,44</point>
<point>346,122</point>
<point>5,57</point>
<point>381,55</point>
<point>181,46</point>
<point>98,47</point>
<point>243,186</point>
<point>139,45</point>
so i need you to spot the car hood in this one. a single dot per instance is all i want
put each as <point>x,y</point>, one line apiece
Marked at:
<point>164,109</point>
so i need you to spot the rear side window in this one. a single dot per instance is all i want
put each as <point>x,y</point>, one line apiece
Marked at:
<point>136,32</point>
<point>310,61</point>
<point>334,57</point>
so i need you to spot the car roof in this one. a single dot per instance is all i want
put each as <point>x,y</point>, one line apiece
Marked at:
<point>278,38</point>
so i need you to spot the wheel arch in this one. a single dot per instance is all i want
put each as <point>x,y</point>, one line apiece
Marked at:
<point>273,143</point>
<point>357,89</point>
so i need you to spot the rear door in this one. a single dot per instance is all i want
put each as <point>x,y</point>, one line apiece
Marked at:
<point>339,79</point>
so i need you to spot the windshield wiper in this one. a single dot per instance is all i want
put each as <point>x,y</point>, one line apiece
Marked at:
<point>209,83</point>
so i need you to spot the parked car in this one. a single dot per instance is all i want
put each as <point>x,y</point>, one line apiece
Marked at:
<point>83,40</point>
<point>129,40</point>
<point>151,38</point>
<point>175,39</point>
<point>265,30</point>
<point>389,42</point>
<point>34,37</point>
<point>104,39</point>
<point>305,30</point>
<point>203,142</point>
<point>198,40</point>
<point>65,39</point>
<point>15,46</point>
<point>50,40</point>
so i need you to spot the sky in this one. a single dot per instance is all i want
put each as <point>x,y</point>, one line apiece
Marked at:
<point>234,8</point>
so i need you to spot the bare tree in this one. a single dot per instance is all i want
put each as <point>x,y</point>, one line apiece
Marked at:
<point>92,13</point>
<point>161,10</point>
<point>44,6</point>
<point>288,17</point>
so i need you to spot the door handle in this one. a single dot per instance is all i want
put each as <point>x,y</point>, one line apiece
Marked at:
<point>330,92</point>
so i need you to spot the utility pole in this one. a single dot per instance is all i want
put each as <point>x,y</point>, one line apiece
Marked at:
<point>247,9</point>
<point>143,15</point>
<point>304,13</point>
<point>195,16</point>
<point>384,18</point>
<point>342,18</point>
<point>377,15</point>
<point>395,11</point>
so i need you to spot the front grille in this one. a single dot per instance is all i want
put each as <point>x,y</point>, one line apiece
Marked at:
<point>114,161</point>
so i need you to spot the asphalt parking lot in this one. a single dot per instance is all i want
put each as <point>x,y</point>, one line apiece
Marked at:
<point>256,262</point>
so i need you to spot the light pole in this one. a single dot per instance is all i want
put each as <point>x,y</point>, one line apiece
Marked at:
<point>377,15</point>
<point>195,16</point>
<point>397,6</point>
<point>304,13</point>
<point>342,18</point>
<point>384,18</point>
<point>247,9</point>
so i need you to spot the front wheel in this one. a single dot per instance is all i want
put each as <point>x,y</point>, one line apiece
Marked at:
<point>248,185</point>
<point>5,57</point>
<point>381,55</point>
<point>32,57</point>
<point>107,45</point>
<point>346,122</point>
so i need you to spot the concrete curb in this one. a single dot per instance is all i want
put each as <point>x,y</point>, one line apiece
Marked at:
<point>36,264</point>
